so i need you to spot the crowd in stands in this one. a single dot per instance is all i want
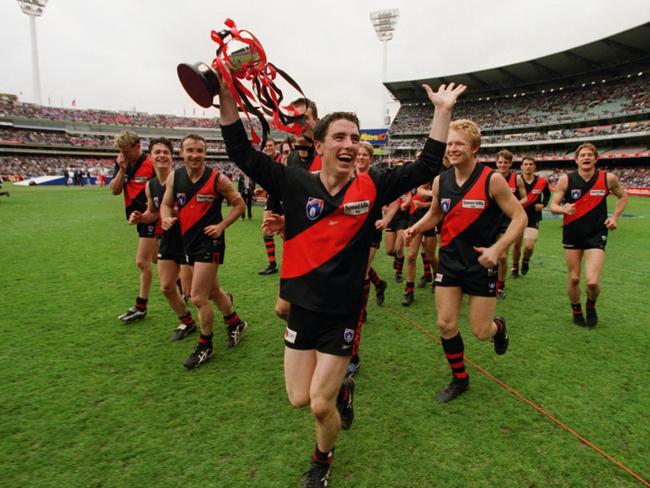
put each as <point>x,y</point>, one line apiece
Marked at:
<point>30,137</point>
<point>565,104</point>
<point>11,108</point>
<point>27,167</point>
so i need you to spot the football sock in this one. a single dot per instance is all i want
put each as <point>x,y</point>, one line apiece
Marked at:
<point>141,303</point>
<point>455,353</point>
<point>269,243</point>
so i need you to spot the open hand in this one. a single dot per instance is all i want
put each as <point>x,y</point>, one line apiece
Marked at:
<point>446,96</point>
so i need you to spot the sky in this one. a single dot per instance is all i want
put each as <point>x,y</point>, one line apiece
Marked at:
<point>122,54</point>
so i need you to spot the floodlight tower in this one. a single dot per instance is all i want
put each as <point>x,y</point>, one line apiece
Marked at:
<point>33,9</point>
<point>385,22</point>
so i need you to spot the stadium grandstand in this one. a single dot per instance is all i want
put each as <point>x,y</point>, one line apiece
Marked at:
<point>543,107</point>
<point>598,92</point>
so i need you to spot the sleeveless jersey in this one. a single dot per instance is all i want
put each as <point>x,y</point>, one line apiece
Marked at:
<point>170,239</point>
<point>537,191</point>
<point>199,205</point>
<point>328,237</point>
<point>470,218</point>
<point>589,198</point>
<point>135,180</point>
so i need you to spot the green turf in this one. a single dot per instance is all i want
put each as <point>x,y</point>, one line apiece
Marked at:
<point>88,402</point>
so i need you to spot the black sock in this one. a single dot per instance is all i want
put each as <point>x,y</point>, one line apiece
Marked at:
<point>206,340</point>
<point>577,308</point>
<point>141,303</point>
<point>591,304</point>
<point>323,457</point>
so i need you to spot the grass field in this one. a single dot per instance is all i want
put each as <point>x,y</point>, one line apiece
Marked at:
<point>88,402</point>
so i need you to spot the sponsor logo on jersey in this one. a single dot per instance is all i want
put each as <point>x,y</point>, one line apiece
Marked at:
<point>356,208</point>
<point>445,204</point>
<point>140,179</point>
<point>537,191</point>
<point>290,335</point>
<point>512,190</point>
<point>156,202</point>
<point>348,335</point>
<point>473,203</point>
<point>314,208</point>
<point>204,197</point>
<point>597,193</point>
<point>575,194</point>
<point>181,199</point>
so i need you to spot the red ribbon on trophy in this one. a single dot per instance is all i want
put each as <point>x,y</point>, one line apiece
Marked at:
<point>247,64</point>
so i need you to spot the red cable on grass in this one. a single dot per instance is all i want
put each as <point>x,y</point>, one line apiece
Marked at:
<point>532,404</point>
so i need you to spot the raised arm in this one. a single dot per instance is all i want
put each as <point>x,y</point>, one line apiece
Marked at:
<point>117,182</point>
<point>256,164</point>
<point>400,180</point>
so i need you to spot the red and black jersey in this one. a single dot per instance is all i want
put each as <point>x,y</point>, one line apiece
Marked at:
<point>537,191</point>
<point>312,162</point>
<point>328,237</point>
<point>199,204</point>
<point>135,180</point>
<point>589,198</point>
<point>470,218</point>
<point>172,236</point>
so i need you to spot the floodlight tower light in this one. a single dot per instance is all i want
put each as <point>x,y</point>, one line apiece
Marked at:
<point>385,22</point>
<point>33,9</point>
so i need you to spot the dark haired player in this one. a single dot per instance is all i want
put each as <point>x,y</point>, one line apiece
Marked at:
<point>539,194</point>
<point>133,169</point>
<point>469,201</point>
<point>330,217</point>
<point>580,196</point>
<point>172,262</point>
<point>198,192</point>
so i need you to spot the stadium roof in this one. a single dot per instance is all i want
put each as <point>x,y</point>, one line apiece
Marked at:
<point>612,56</point>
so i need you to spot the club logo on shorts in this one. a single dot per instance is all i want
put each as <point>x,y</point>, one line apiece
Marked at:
<point>445,204</point>
<point>181,199</point>
<point>356,208</point>
<point>156,202</point>
<point>290,335</point>
<point>575,194</point>
<point>348,335</point>
<point>314,208</point>
<point>438,278</point>
<point>204,198</point>
<point>473,203</point>
<point>597,193</point>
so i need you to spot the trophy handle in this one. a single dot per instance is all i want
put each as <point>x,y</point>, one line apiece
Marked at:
<point>199,81</point>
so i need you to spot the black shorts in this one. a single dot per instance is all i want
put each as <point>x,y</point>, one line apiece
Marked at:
<point>417,215</point>
<point>146,230</point>
<point>375,239</point>
<point>481,282</point>
<point>171,246</point>
<point>597,241</point>
<point>533,224</point>
<point>399,222</point>
<point>327,333</point>
<point>207,251</point>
